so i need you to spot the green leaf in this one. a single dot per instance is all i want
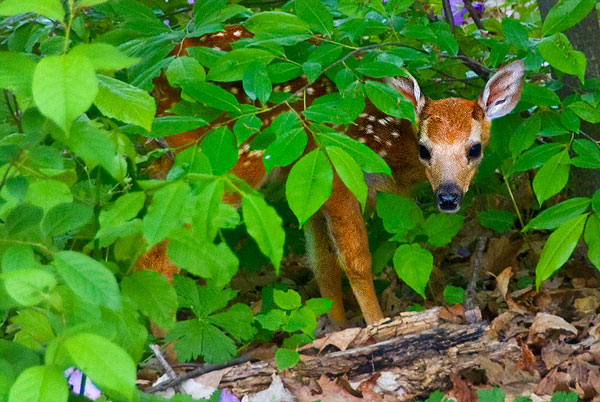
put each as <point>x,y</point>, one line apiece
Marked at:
<point>124,102</point>
<point>524,137</point>
<point>21,218</point>
<point>18,257</point>
<point>52,9</point>
<point>378,69</point>
<point>312,70</point>
<point>153,295</point>
<point>96,147</point>
<point>195,338</point>
<point>16,74</point>
<point>238,321</point>
<point>319,306</point>
<point>309,184</point>
<point>66,217</point>
<point>287,300</point>
<point>257,83</point>
<point>389,101</point>
<point>454,295</point>
<point>166,212</point>
<point>592,238</point>
<point>202,258</point>
<point>588,154</point>
<point>220,147</point>
<point>564,397</point>
<point>276,22</point>
<point>89,3</point>
<point>515,33</point>
<point>125,208</point>
<point>366,158</point>
<point>88,279</point>
<point>48,193</point>
<point>558,214</point>
<point>303,320</point>
<point>446,41</point>
<point>539,96</point>
<point>496,219</point>
<point>586,111</point>
<point>40,384</point>
<point>596,201</point>
<point>565,14</point>
<point>491,395</point>
<point>552,177</point>
<point>399,214</point>
<point>64,87</point>
<point>558,248</point>
<point>316,15</point>
<point>28,286</point>
<point>264,225</point>
<point>283,71</point>
<point>212,95</point>
<point>413,264</point>
<point>536,157</point>
<point>232,65</point>
<point>107,365</point>
<point>349,172</point>
<point>208,201</point>
<point>441,228</point>
<point>184,69</point>
<point>169,125</point>
<point>104,56</point>
<point>289,144</point>
<point>286,358</point>
<point>558,51</point>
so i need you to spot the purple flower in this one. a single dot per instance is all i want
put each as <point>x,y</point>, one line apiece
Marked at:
<point>191,2</point>
<point>459,10</point>
<point>167,22</point>
<point>226,396</point>
<point>74,377</point>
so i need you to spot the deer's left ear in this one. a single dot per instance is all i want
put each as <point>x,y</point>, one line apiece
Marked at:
<point>503,91</point>
<point>409,88</point>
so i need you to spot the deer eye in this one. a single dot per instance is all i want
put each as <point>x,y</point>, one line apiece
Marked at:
<point>424,153</point>
<point>475,151</point>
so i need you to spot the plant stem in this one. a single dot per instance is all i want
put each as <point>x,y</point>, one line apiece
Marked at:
<point>514,202</point>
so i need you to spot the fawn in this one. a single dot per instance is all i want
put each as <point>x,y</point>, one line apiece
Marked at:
<point>446,149</point>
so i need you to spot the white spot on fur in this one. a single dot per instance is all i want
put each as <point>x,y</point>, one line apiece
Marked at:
<point>362,140</point>
<point>237,33</point>
<point>395,134</point>
<point>371,118</point>
<point>383,122</point>
<point>382,153</point>
<point>310,90</point>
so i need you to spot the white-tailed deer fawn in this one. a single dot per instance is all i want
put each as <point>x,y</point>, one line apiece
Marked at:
<point>446,149</point>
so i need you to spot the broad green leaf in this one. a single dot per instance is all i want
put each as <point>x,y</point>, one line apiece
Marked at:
<point>552,177</point>
<point>558,51</point>
<point>286,358</point>
<point>169,125</point>
<point>596,201</point>
<point>125,102</point>
<point>378,69</point>
<point>318,305</point>
<point>389,101</point>
<point>496,219</point>
<point>309,184</point>
<point>96,147</point>
<point>89,3</point>
<point>453,295</point>
<point>491,395</point>
<point>446,41</point>
<point>40,384</point>
<point>104,56</point>
<point>276,22</point>
<point>107,365</point>
<point>212,95</point>
<point>66,217</point>
<point>287,300</point>
<point>220,147</point>
<point>586,111</point>
<point>257,83</point>
<point>48,193</point>
<point>316,15</point>
<point>183,69</point>
<point>237,320</point>
<point>21,218</point>
<point>515,33</point>
<point>399,214</point>
<point>18,257</point>
<point>153,295</point>
<point>246,127</point>
<point>303,320</point>
<point>539,96</point>
<point>592,238</point>
<point>264,225</point>
<point>367,159</point>
<point>231,66</point>
<point>413,264</point>
<point>441,228</point>
<point>166,211</point>
<point>524,137</point>
<point>28,286</point>
<point>195,338</point>
<point>202,258</point>
<point>207,207</point>
<point>558,248</point>
<point>536,157</point>
<point>125,208</point>
<point>349,172</point>
<point>132,334</point>
<point>312,70</point>
<point>558,214</point>
<point>288,146</point>
<point>16,74</point>
<point>64,87</point>
<point>52,9</point>
<point>565,14</point>
<point>588,154</point>
<point>283,71</point>
<point>88,279</point>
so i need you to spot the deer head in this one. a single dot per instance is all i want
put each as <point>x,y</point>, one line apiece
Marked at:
<point>453,132</point>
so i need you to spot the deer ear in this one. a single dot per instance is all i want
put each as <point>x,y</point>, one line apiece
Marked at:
<point>503,91</point>
<point>409,88</point>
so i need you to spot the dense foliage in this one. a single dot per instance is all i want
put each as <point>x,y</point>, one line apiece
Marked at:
<point>78,208</point>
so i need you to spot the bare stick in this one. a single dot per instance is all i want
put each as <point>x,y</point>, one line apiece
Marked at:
<point>475,274</point>
<point>448,14</point>
<point>168,369</point>
<point>474,14</point>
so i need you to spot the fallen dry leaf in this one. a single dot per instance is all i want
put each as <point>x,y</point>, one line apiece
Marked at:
<point>543,326</point>
<point>528,360</point>
<point>461,389</point>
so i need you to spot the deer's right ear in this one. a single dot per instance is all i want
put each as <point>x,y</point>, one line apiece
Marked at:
<point>503,91</point>
<point>409,88</point>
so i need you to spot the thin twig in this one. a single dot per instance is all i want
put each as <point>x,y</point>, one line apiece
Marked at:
<point>448,15</point>
<point>16,114</point>
<point>474,14</point>
<point>205,368</point>
<point>163,362</point>
<point>589,137</point>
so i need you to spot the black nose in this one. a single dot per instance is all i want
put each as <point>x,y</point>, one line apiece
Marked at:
<point>448,196</point>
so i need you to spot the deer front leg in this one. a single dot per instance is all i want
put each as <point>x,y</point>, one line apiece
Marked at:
<point>325,265</point>
<point>349,237</point>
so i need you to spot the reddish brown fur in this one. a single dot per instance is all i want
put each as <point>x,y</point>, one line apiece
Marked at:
<point>449,120</point>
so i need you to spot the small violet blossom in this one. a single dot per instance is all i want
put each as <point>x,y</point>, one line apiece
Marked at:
<point>459,10</point>
<point>226,396</point>
<point>191,2</point>
<point>74,377</point>
<point>167,23</point>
